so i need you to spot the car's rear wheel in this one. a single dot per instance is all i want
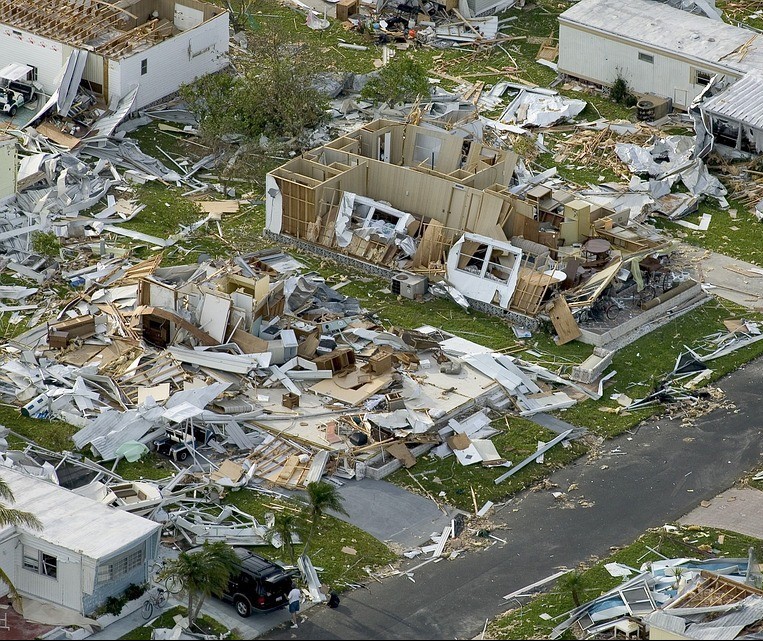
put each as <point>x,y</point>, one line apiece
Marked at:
<point>182,455</point>
<point>243,607</point>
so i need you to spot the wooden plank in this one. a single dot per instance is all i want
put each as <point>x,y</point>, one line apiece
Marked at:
<point>564,322</point>
<point>288,469</point>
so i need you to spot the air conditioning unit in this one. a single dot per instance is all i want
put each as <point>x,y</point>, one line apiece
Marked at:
<point>409,286</point>
<point>651,108</point>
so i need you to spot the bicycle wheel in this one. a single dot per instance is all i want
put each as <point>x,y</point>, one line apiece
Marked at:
<point>148,610</point>
<point>173,585</point>
<point>156,569</point>
<point>611,310</point>
<point>647,294</point>
<point>161,598</point>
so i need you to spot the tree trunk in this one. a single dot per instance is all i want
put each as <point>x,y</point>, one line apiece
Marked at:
<point>309,536</point>
<point>198,608</point>
<point>190,608</point>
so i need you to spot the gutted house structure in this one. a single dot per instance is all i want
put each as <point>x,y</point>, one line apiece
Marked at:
<point>656,48</point>
<point>154,44</point>
<point>85,552</point>
<point>393,197</point>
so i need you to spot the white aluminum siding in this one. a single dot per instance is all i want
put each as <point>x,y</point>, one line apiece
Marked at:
<point>21,46</point>
<point>170,63</point>
<point>597,58</point>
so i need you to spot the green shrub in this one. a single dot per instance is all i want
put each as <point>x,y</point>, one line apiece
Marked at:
<point>619,89</point>
<point>113,605</point>
<point>403,79</point>
<point>135,591</point>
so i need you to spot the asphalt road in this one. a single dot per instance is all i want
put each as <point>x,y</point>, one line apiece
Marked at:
<point>654,476</point>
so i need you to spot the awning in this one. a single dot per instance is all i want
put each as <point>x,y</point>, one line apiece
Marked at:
<point>15,71</point>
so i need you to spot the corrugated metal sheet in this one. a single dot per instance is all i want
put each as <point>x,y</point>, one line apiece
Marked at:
<point>742,102</point>
<point>666,622</point>
<point>671,30</point>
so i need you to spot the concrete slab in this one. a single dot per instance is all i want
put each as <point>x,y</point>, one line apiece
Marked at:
<point>724,277</point>
<point>738,509</point>
<point>390,513</point>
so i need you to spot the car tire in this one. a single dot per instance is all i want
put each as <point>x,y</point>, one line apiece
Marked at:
<point>243,607</point>
<point>13,111</point>
<point>182,456</point>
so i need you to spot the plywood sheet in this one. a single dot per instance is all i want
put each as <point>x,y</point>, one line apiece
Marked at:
<point>351,396</point>
<point>401,452</point>
<point>563,321</point>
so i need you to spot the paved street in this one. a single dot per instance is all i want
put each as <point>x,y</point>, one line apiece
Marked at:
<point>656,475</point>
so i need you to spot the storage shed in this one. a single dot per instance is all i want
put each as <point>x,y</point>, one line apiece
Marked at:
<point>657,49</point>
<point>85,552</point>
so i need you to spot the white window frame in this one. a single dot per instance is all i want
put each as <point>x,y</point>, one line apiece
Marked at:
<point>39,562</point>
<point>119,566</point>
<point>695,76</point>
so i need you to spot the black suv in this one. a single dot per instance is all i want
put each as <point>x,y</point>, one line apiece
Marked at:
<point>260,585</point>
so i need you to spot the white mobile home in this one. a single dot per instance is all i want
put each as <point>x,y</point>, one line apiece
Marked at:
<point>85,553</point>
<point>156,45</point>
<point>657,49</point>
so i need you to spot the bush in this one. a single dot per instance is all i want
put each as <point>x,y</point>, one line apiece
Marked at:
<point>113,605</point>
<point>403,79</point>
<point>619,89</point>
<point>135,591</point>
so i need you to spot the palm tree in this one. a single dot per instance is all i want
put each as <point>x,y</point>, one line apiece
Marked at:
<point>284,527</point>
<point>321,496</point>
<point>9,516</point>
<point>202,573</point>
<point>574,583</point>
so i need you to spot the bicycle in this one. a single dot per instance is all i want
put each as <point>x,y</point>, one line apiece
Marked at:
<point>172,584</point>
<point>158,600</point>
<point>618,303</point>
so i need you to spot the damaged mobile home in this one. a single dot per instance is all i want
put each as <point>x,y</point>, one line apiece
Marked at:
<point>85,552</point>
<point>114,47</point>
<point>666,53</point>
<point>418,204</point>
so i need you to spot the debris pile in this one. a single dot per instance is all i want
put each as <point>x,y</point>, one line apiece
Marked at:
<point>717,598</point>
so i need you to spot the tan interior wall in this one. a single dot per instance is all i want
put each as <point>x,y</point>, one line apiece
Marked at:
<point>166,8</point>
<point>352,180</point>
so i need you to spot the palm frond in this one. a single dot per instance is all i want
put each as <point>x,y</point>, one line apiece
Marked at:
<point>6,492</point>
<point>9,516</point>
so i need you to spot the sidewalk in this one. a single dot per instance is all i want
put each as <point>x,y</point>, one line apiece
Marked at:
<point>738,510</point>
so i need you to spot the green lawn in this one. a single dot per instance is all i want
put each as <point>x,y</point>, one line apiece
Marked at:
<point>645,362</point>
<point>526,622</point>
<point>737,237</point>
<point>325,551</point>
<point>518,439</point>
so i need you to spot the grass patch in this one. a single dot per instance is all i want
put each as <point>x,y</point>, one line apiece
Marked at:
<point>525,622</point>
<point>151,466</point>
<point>516,442</point>
<point>53,435</point>
<point>645,362</point>
<point>735,237</point>
<point>206,624</point>
<point>330,536</point>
